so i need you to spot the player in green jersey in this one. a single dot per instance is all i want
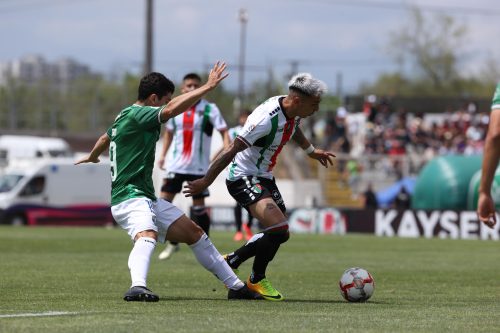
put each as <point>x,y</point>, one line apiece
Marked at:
<point>485,205</point>
<point>132,142</point>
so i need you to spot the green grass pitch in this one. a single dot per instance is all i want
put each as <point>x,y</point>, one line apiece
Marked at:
<point>422,285</point>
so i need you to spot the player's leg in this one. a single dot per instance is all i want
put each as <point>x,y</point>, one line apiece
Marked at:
<point>171,186</point>
<point>237,219</point>
<point>274,234</point>
<point>247,191</point>
<point>184,230</point>
<point>266,204</point>
<point>199,213</point>
<point>164,194</point>
<point>248,227</point>
<point>137,217</point>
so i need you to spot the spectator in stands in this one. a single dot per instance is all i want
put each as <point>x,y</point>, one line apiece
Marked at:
<point>352,175</point>
<point>402,200</point>
<point>370,109</point>
<point>370,199</point>
<point>340,141</point>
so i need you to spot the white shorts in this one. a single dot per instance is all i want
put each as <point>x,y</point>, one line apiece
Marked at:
<point>139,214</point>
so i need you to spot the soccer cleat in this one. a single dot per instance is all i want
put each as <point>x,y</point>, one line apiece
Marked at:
<point>265,288</point>
<point>243,293</point>
<point>140,294</point>
<point>169,250</point>
<point>226,258</point>
<point>238,236</point>
<point>248,231</point>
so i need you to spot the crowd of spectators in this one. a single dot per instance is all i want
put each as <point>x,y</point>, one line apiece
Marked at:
<point>399,143</point>
<point>394,133</point>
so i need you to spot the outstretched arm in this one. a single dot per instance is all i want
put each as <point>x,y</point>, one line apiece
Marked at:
<point>182,102</point>
<point>485,205</point>
<point>225,138</point>
<point>324,157</point>
<point>100,146</point>
<point>167,141</point>
<point>222,161</point>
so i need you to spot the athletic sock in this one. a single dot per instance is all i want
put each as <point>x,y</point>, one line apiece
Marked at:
<point>138,260</point>
<point>200,216</point>
<point>250,221</point>
<point>208,256</point>
<point>248,250</point>
<point>255,278</point>
<point>266,249</point>
<point>237,217</point>
<point>267,246</point>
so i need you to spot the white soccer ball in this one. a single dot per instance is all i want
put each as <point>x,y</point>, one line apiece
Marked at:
<point>356,285</point>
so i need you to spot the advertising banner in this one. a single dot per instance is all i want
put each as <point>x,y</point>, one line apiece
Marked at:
<point>442,224</point>
<point>445,224</point>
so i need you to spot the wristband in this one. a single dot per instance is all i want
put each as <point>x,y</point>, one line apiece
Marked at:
<point>309,149</point>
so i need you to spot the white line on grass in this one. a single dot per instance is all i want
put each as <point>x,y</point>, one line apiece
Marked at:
<point>40,314</point>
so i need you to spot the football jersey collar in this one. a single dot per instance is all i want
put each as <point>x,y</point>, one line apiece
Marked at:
<point>280,100</point>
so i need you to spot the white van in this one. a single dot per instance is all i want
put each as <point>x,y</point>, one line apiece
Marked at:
<point>53,184</point>
<point>14,147</point>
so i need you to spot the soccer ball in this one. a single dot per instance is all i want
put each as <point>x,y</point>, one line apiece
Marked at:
<point>356,285</point>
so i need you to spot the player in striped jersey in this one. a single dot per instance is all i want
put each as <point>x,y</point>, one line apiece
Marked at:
<point>187,139</point>
<point>486,204</point>
<point>251,158</point>
<point>131,140</point>
<point>246,227</point>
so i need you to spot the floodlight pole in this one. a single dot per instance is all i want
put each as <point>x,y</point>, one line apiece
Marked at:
<point>148,55</point>
<point>243,18</point>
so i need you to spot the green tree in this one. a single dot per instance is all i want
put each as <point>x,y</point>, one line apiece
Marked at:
<point>433,46</point>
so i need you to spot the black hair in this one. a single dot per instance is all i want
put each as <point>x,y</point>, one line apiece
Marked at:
<point>191,76</point>
<point>245,112</point>
<point>154,83</point>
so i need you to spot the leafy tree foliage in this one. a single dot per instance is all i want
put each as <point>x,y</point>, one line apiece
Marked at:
<point>432,46</point>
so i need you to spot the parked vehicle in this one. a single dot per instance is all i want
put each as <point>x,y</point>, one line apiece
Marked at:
<point>55,191</point>
<point>13,147</point>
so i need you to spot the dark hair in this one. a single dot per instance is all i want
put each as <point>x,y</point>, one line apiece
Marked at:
<point>245,113</point>
<point>154,83</point>
<point>191,76</point>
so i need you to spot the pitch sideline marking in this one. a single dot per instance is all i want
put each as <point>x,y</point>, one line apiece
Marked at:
<point>40,314</point>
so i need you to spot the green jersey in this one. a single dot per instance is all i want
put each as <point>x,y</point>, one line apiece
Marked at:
<point>132,152</point>
<point>495,104</point>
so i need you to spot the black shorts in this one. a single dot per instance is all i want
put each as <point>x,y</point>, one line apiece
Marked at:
<point>250,189</point>
<point>174,183</point>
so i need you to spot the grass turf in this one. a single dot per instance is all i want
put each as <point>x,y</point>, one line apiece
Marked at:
<point>422,285</point>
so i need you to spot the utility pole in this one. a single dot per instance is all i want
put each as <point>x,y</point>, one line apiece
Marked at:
<point>243,18</point>
<point>339,90</point>
<point>294,68</point>
<point>148,55</point>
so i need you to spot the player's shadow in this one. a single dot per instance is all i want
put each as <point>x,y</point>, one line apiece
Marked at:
<point>187,298</point>
<point>324,301</point>
<point>288,300</point>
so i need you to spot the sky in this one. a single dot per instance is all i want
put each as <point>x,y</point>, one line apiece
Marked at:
<point>328,38</point>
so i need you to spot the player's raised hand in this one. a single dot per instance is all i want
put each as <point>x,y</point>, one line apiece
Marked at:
<point>324,157</point>
<point>216,74</point>
<point>195,187</point>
